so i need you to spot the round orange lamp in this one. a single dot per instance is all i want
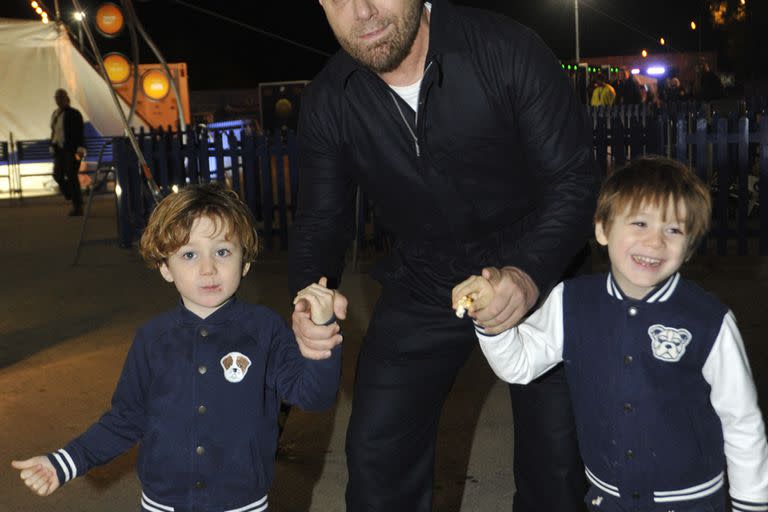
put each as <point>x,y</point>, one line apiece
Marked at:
<point>155,84</point>
<point>109,19</point>
<point>118,68</point>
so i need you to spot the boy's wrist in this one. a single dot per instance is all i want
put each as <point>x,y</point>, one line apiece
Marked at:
<point>57,462</point>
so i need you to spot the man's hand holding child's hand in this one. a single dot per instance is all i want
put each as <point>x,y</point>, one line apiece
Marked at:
<point>500,297</point>
<point>314,319</point>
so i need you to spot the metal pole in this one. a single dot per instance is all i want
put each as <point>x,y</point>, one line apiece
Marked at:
<point>58,11</point>
<point>156,193</point>
<point>699,27</point>
<point>576,20</point>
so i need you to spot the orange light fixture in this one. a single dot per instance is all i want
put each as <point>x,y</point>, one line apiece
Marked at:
<point>109,19</point>
<point>155,85</point>
<point>118,68</point>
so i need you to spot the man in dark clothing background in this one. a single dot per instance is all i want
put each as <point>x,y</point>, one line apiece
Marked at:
<point>67,144</point>
<point>710,86</point>
<point>462,128</point>
<point>627,89</point>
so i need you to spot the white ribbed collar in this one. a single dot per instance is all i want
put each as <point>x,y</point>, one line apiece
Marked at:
<point>661,293</point>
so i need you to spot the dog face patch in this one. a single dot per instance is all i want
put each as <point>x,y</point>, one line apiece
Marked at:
<point>668,344</point>
<point>235,366</point>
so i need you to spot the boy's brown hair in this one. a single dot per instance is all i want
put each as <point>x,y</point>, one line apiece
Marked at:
<point>655,180</point>
<point>171,223</point>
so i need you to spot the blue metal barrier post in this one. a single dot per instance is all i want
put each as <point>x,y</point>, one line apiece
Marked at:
<point>125,166</point>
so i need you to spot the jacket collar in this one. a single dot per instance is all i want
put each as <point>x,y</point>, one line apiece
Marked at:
<point>661,293</point>
<point>224,314</point>
<point>443,38</point>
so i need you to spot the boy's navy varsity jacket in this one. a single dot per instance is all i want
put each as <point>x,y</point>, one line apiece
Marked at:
<point>661,388</point>
<point>202,398</point>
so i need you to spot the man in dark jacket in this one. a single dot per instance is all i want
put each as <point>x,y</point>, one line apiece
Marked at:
<point>627,89</point>
<point>462,128</point>
<point>67,144</point>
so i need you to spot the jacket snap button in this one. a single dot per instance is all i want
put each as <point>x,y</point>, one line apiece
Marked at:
<point>632,311</point>
<point>203,332</point>
<point>202,369</point>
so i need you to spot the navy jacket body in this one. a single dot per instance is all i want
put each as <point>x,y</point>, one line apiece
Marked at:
<point>662,393</point>
<point>202,398</point>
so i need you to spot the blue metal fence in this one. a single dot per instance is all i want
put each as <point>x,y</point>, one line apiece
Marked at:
<point>261,169</point>
<point>731,154</point>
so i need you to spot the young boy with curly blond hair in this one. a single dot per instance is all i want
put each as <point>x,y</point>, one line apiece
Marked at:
<point>202,384</point>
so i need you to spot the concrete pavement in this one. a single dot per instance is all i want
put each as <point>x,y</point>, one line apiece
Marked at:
<point>64,332</point>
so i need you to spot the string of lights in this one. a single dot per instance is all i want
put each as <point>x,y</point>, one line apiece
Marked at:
<point>40,8</point>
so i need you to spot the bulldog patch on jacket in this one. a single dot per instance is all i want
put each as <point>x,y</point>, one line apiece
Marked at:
<point>235,366</point>
<point>668,343</point>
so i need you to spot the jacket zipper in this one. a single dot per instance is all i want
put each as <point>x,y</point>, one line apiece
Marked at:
<point>416,121</point>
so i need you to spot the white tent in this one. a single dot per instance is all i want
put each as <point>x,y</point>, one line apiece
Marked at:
<point>35,60</point>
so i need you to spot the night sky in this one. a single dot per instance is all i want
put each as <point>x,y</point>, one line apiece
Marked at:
<point>224,55</point>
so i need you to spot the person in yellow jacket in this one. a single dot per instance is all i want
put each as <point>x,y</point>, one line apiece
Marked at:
<point>603,94</point>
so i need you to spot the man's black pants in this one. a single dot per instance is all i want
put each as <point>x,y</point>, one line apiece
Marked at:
<point>66,167</point>
<point>407,365</point>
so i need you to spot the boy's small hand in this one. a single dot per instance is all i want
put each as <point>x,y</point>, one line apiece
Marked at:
<point>38,474</point>
<point>478,289</point>
<point>320,301</point>
<point>316,341</point>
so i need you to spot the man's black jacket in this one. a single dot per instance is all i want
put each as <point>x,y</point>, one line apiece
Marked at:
<point>73,129</point>
<point>495,169</point>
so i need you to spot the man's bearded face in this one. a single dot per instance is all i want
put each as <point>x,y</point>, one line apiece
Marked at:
<point>380,34</point>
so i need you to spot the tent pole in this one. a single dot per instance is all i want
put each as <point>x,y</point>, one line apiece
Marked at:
<point>156,193</point>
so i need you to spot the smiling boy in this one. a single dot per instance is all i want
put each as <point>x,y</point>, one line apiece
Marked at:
<point>662,391</point>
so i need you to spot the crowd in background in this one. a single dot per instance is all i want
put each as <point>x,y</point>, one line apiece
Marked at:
<point>628,89</point>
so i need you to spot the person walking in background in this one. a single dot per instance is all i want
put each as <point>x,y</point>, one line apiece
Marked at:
<point>710,86</point>
<point>603,95</point>
<point>673,91</point>
<point>463,129</point>
<point>68,147</point>
<point>627,89</point>
<point>201,386</point>
<point>661,385</point>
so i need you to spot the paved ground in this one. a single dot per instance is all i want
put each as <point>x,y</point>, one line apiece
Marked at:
<point>64,332</point>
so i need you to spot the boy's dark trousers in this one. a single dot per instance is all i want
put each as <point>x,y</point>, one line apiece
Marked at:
<point>407,365</point>
<point>65,174</point>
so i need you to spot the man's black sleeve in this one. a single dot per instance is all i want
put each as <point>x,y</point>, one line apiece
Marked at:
<point>557,143</point>
<point>323,226</point>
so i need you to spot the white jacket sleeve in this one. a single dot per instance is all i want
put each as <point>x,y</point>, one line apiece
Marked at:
<point>522,353</point>
<point>734,398</point>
